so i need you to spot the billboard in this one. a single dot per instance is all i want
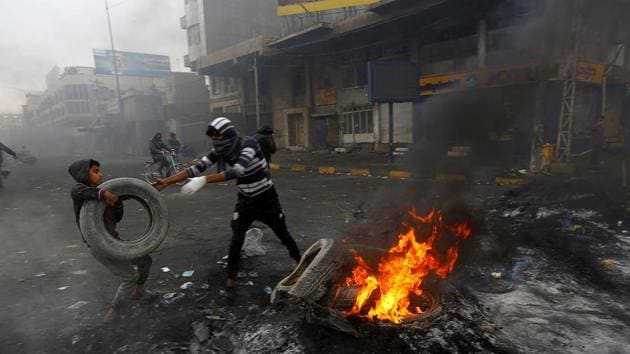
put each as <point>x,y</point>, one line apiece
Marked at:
<point>131,64</point>
<point>393,81</point>
<point>296,7</point>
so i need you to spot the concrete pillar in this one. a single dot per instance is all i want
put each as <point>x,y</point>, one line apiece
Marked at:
<point>482,35</point>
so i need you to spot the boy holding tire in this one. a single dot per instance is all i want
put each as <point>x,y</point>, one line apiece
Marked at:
<point>87,174</point>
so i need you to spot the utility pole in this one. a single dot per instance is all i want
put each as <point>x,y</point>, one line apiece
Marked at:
<point>257,93</point>
<point>111,39</point>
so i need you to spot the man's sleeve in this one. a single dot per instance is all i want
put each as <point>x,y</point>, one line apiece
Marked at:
<point>205,162</point>
<point>272,145</point>
<point>244,159</point>
<point>88,193</point>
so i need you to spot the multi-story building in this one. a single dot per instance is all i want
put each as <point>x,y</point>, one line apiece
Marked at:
<point>78,97</point>
<point>492,73</point>
<point>10,121</point>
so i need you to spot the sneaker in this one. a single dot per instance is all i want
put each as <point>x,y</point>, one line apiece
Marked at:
<point>110,315</point>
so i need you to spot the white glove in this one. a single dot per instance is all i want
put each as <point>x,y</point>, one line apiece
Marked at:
<point>193,185</point>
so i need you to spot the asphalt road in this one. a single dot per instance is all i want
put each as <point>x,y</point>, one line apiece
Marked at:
<point>45,268</point>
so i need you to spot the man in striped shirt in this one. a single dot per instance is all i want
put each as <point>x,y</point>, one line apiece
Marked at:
<point>257,197</point>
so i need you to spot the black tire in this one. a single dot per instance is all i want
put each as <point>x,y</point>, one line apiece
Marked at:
<point>310,280</point>
<point>93,226</point>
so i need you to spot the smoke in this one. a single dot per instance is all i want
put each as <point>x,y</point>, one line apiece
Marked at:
<point>40,34</point>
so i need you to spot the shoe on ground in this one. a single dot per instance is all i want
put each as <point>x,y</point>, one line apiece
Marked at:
<point>110,315</point>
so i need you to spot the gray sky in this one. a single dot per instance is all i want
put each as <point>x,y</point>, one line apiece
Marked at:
<point>35,35</point>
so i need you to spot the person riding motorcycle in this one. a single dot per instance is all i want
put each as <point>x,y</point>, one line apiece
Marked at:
<point>157,149</point>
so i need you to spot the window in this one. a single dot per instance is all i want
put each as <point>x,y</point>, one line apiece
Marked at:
<point>215,83</point>
<point>358,120</point>
<point>233,109</point>
<point>194,36</point>
<point>354,75</point>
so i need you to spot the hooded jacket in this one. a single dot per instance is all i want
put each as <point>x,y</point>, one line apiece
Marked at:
<point>81,192</point>
<point>156,146</point>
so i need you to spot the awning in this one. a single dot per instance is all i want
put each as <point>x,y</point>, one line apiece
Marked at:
<point>302,36</point>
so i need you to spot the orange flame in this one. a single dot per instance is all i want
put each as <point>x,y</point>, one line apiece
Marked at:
<point>405,267</point>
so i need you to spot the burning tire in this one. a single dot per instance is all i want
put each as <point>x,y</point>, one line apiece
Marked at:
<point>96,235</point>
<point>310,279</point>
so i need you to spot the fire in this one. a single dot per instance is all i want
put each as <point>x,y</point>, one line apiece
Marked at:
<point>406,266</point>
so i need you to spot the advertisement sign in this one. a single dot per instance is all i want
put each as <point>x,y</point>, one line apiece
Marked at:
<point>131,64</point>
<point>506,75</point>
<point>296,7</point>
<point>393,81</point>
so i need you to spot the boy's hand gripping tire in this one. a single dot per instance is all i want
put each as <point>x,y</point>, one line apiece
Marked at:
<point>97,236</point>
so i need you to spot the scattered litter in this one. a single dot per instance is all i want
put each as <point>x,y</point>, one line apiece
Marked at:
<point>583,214</point>
<point>608,262</point>
<point>171,298</point>
<point>216,318</point>
<point>201,331</point>
<point>71,246</point>
<point>165,269</point>
<point>241,275</point>
<point>21,252</point>
<point>188,273</point>
<point>39,275</point>
<point>252,274</point>
<point>523,172</point>
<point>186,285</point>
<point>63,288</point>
<point>249,283</point>
<point>225,257</point>
<point>511,213</point>
<point>268,290</point>
<point>253,243</point>
<point>79,272</point>
<point>544,213</point>
<point>496,275</point>
<point>205,286</point>
<point>75,339</point>
<point>77,305</point>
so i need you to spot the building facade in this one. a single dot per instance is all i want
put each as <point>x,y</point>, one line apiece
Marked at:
<point>492,74</point>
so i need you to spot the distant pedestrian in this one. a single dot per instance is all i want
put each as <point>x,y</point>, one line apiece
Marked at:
<point>134,273</point>
<point>174,143</point>
<point>257,197</point>
<point>597,140</point>
<point>265,139</point>
<point>4,148</point>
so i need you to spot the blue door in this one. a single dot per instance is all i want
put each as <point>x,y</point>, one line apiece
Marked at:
<point>320,134</point>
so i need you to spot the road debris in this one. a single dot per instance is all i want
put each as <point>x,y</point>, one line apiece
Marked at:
<point>63,288</point>
<point>172,298</point>
<point>77,305</point>
<point>188,273</point>
<point>186,285</point>
<point>39,275</point>
<point>253,243</point>
<point>165,269</point>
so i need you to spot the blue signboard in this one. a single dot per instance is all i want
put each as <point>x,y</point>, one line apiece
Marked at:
<point>131,64</point>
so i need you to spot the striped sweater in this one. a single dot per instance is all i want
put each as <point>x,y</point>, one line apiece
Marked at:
<point>250,169</point>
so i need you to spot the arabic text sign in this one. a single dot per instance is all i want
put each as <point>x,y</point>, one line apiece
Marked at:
<point>131,64</point>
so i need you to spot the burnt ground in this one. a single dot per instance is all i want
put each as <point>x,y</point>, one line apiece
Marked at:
<point>563,259</point>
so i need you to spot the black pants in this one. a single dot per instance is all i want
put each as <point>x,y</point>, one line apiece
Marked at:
<point>163,164</point>
<point>266,209</point>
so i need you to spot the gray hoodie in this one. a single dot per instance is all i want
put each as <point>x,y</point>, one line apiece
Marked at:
<point>81,192</point>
